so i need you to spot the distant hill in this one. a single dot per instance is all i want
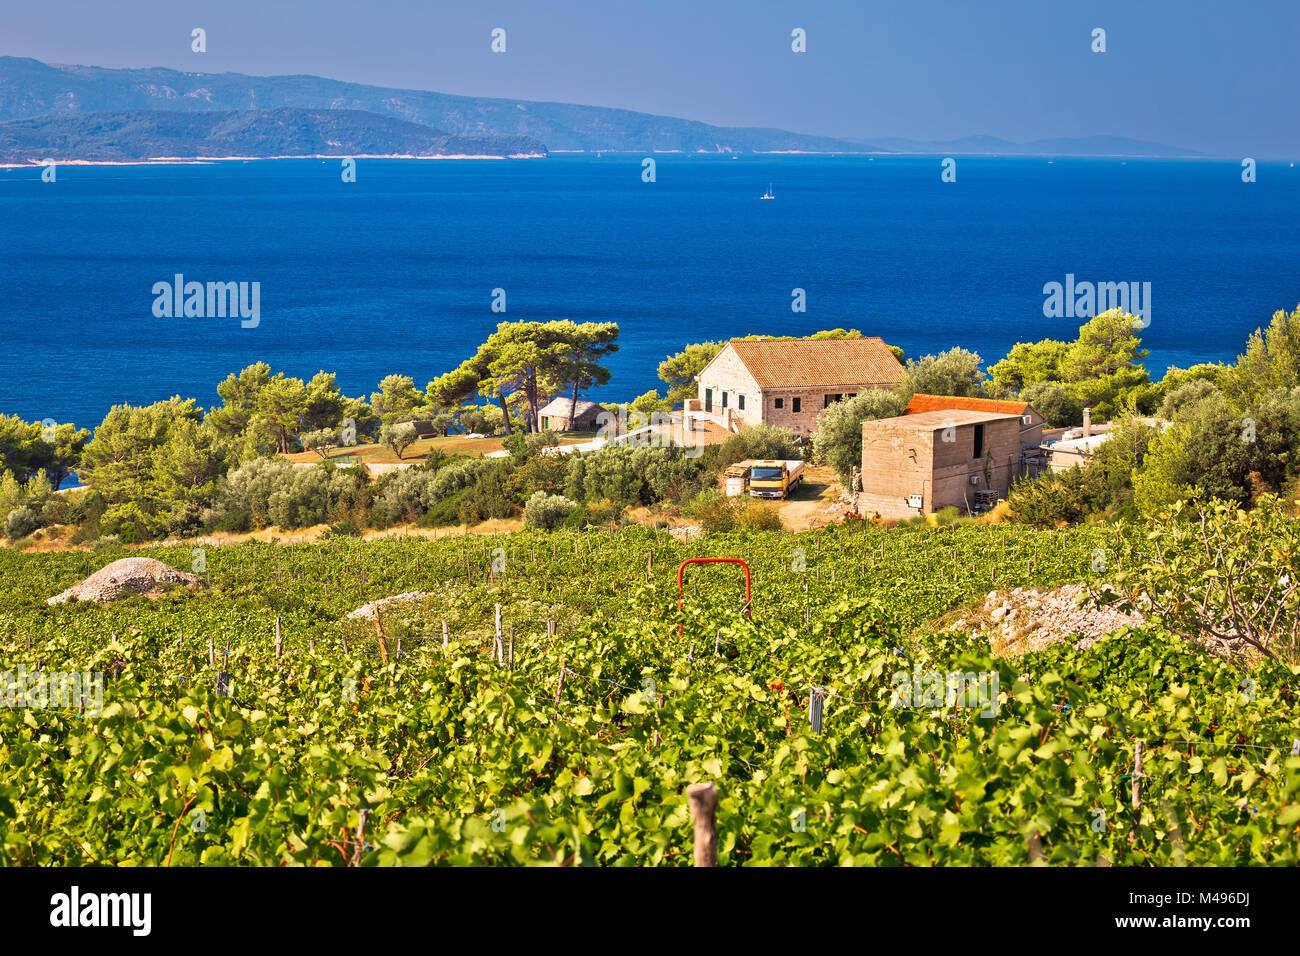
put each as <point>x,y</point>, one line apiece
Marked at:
<point>1080,146</point>
<point>143,134</point>
<point>30,88</point>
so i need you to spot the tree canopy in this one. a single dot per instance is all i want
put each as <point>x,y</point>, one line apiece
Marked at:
<point>527,360</point>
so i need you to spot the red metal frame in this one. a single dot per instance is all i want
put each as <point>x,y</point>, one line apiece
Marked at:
<point>681,571</point>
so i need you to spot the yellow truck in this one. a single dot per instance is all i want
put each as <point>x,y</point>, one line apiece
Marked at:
<point>774,478</point>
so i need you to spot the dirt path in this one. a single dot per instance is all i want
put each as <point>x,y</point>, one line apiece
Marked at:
<point>809,507</point>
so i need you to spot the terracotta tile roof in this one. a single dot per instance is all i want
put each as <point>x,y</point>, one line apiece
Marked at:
<point>933,421</point>
<point>938,403</point>
<point>811,363</point>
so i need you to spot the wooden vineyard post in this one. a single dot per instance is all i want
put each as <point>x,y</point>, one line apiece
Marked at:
<point>704,802</point>
<point>360,849</point>
<point>550,629</point>
<point>379,633</point>
<point>1137,775</point>
<point>279,639</point>
<point>498,646</point>
<point>559,685</point>
<point>212,651</point>
<point>444,632</point>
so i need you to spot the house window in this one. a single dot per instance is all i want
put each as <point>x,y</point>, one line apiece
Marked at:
<point>796,404</point>
<point>708,399</point>
<point>724,399</point>
<point>740,402</point>
<point>979,441</point>
<point>830,400</point>
<point>780,403</point>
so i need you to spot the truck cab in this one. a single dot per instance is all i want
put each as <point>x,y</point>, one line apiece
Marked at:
<point>774,478</point>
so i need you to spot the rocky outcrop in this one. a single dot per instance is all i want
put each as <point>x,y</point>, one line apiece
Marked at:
<point>1027,619</point>
<point>367,611</point>
<point>124,578</point>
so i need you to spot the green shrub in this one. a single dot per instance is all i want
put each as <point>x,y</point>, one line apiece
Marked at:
<point>1059,406</point>
<point>445,512</point>
<point>547,511</point>
<point>947,515</point>
<point>343,529</point>
<point>838,441</point>
<point>713,510</point>
<point>757,516</point>
<point>404,495</point>
<point>21,522</point>
<point>488,497</point>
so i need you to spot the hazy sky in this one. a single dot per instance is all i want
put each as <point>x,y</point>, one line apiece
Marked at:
<point>1220,77</point>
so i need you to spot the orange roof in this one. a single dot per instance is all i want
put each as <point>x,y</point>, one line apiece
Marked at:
<point>939,403</point>
<point>810,363</point>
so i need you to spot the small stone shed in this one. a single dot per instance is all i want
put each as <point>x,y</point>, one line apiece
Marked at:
<point>922,463</point>
<point>554,416</point>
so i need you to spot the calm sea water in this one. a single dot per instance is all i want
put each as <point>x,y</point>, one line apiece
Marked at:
<point>394,273</point>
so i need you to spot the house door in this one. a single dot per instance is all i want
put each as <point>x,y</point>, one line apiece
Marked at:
<point>708,399</point>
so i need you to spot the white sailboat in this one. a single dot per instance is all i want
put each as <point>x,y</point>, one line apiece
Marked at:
<point>768,194</point>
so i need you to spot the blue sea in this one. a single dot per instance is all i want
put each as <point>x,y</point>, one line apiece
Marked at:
<point>395,273</point>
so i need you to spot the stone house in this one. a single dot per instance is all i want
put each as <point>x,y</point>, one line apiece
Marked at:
<point>923,462</point>
<point>555,415</point>
<point>788,383</point>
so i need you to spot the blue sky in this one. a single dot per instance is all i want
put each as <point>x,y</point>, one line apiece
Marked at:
<point>1219,77</point>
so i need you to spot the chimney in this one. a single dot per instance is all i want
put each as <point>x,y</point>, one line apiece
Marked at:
<point>1087,423</point>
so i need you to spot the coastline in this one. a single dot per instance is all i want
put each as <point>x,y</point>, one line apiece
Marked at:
<point>212,160</point>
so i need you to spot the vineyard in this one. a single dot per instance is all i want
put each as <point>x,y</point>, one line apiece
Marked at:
<point>567,733</point>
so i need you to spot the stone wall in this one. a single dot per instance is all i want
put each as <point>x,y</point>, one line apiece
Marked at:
<point>811,404</point>
<point>728,374</point>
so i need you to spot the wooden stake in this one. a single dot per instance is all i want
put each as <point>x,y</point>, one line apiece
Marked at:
<point>360,848</point>
<point>212,651</point>
<point>704,801</point>
<point>559,685</point>
<point>279,639</point>
<point>550,629</point>
<point>379,633</point>
<point>1137,775</point>
<point>498,647</point>
<point>444,632</point>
